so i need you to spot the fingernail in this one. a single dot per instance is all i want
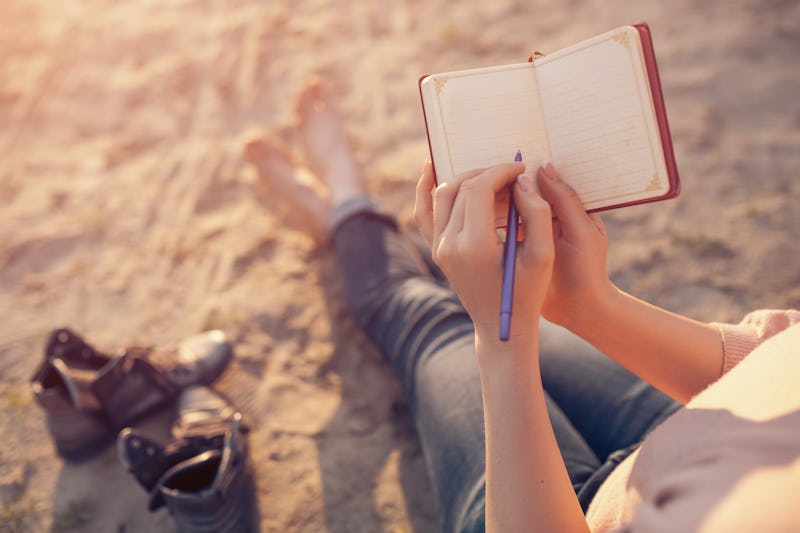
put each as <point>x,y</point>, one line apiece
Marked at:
<point>525,183</point>
<point>426,163</point>
<point>548,170</point>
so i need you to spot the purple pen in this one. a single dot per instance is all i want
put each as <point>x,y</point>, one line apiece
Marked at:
<point>509,262</point>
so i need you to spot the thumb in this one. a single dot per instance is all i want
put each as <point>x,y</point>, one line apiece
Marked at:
<point>567,206</point>
<point>536,221</point>
<point>423,206</point>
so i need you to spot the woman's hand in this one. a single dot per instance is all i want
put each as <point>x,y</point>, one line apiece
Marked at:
<point>458,219</point>
<point>579,281</point>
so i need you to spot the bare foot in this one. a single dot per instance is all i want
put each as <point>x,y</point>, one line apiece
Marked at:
<point>326,144</point>
<point>273,162</point>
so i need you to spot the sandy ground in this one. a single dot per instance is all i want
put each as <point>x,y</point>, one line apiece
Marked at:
<point>128,213</point>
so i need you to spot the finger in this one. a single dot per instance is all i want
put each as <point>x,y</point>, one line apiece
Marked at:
<point>457,215</point>
<point>443,198</point>
<point>567,206</point>
<point>461,178</point>
<point>556,227</point>
<point>423,206</point>
<point>479,194</point>
<point>536,220</point>
<point>598,223</point>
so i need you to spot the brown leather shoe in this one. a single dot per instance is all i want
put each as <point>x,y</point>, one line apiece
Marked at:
<point>88,396</point>
<point>203,475</point>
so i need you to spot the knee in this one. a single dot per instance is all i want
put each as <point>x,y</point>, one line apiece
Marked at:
<point>408,301</point>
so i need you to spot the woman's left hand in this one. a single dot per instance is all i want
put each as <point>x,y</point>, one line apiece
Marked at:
<point>458,220</point>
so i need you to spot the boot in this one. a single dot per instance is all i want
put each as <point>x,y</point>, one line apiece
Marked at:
<point>203,475</point>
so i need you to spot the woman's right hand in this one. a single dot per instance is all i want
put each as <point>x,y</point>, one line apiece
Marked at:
<point>459,220</point>
<point>580,281</point>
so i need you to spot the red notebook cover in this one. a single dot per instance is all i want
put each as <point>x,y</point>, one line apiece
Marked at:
<point>661,112</point>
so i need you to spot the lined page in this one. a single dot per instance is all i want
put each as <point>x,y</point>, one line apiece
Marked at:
<point>481,117</point>
<point>600,121</point>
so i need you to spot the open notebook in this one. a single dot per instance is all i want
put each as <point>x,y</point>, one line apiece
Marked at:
<point>594,109</point>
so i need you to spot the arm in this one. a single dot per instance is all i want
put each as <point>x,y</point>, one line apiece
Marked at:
<point>675,354</point>
<point>527,486</point>
<point>678,355</point>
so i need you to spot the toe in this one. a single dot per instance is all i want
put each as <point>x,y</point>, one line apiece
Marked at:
<point>262,147</point>
<point>313,97</point>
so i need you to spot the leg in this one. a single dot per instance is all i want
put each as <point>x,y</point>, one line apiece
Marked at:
<point>416,323</point>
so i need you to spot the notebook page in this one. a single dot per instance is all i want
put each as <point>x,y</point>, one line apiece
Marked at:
<point>481,117</point>
<point>600,120</point>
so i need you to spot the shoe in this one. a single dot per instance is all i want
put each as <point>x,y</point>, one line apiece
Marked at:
<point>61,386</point>
<point>204,475</point>
<point>88,396</point>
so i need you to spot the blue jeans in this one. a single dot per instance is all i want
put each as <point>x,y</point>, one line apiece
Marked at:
<point>599,411</point>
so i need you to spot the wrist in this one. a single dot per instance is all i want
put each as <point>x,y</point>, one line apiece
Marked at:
<point>519,352</point>
<point>596,309</point>
<point>509,371</point>
<point>523,331</point>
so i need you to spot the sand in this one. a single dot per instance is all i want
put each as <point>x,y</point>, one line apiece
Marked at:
<point>129,214</point>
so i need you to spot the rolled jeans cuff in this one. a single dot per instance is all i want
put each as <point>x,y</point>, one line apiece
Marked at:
<point>355,206</point>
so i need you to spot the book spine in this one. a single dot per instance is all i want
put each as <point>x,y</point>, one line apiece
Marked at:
<point>660,110</point>
<point>427,129</point>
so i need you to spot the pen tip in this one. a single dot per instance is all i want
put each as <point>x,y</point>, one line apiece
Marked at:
<point>518,157</point>
<point>505,326</point>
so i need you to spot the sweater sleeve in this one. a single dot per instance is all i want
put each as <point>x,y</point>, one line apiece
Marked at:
<point>738,340</point>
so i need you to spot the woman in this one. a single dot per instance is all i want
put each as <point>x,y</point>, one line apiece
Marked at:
<point>571,441</point>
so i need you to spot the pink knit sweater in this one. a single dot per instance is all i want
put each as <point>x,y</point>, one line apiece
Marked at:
<point>730,460</point>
